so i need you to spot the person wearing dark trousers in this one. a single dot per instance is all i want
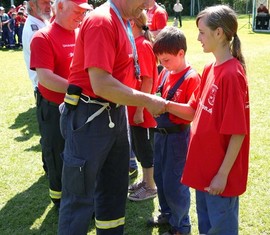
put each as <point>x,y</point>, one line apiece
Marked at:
<point>178,8</point>
<point>51,55</point>
<point>96,156</point>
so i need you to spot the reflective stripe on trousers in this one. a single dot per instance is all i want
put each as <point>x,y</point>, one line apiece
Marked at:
<point>110,223</point>
<point>55,194</point>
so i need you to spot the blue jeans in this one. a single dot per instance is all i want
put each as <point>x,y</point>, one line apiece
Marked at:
<point>217,215</point>
<point>169,161</point>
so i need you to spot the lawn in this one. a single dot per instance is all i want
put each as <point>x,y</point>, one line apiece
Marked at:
<point>25,208</point>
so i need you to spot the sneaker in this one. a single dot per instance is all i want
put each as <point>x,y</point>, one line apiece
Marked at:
<point>134,187</point>
<point>142,194</point>
<point>159,220</point>
<point>133,173</point>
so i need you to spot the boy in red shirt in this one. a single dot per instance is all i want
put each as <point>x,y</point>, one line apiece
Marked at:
<point>178,81</point>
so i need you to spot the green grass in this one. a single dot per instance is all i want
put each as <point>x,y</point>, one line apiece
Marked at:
<point>24,204</point>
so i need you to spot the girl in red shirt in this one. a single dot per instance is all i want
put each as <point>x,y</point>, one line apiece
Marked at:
<point>140,120</point>
<point>217,161</point>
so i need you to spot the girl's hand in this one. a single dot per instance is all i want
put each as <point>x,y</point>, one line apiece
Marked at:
<point>217,185</point>
<point>138,116</point>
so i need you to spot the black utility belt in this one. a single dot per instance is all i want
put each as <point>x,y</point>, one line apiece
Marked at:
<point>74,95</point>
<point>49,102</point>
<point>40,98</point>
<point>171,129</point>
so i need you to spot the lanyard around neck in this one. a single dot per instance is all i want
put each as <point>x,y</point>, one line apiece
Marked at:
<point>128,31</point>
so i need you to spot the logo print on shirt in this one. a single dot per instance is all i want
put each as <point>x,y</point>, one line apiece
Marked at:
<point>212,94</point>
<point>177,94</point>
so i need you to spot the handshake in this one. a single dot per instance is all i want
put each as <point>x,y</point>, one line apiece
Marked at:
<point>156,105</point>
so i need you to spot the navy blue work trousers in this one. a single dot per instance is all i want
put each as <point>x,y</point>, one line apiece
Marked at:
<point>95,171</point>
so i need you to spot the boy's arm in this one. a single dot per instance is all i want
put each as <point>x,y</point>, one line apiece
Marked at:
<point>181,110</point>
<point>219,182</point>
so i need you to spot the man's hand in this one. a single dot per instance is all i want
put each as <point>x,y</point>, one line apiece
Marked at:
<point>156,106</point>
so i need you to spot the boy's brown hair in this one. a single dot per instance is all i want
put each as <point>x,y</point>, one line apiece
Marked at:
<point>170,40</point>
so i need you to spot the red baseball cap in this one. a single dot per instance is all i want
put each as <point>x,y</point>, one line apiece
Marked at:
<point>83,4</point>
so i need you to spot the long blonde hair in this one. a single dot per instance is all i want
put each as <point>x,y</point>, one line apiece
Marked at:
<point>141,23</point>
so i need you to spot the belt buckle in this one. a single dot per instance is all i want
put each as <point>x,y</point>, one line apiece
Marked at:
<point>85,98</point>
<point>163,131</point>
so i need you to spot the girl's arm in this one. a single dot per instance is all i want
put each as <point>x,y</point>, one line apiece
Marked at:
<point>219,182</point>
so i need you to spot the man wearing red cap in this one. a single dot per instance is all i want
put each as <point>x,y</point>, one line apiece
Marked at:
<point>51,54</point>
<point>96,155</point>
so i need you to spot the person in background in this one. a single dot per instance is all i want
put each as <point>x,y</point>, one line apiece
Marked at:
<point>39,13</point>
<point>262,9</point>
<point>5,31</point>
<point>11,28</point>
<point>11,10</point>
<point>93,122</point>
<point>51,55</point>
<point>262,18</point>
<point>1,12</point>
<point>178,8</point>
<point>20,21</point>
<point>140,120</point>
<point>157,17</point>
<point>218,153</point>
<point>178,82</point>
<point>22,7</point>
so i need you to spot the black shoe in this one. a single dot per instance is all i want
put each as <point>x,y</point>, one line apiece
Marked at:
<point>159,220</point>
<point>133,173</point>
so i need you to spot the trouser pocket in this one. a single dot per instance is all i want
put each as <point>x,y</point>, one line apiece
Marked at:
<point>73,177</point>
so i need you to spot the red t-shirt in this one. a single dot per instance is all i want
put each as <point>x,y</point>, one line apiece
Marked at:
<point>157,18</point>
<point>148,67</point>
<point>52,48</point>
<point>20,20</point>
<point>102,43</point>
<point>222,110</point>
<point>183,93</point>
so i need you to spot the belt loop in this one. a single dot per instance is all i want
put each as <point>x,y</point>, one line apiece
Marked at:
<point>163,131</point>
